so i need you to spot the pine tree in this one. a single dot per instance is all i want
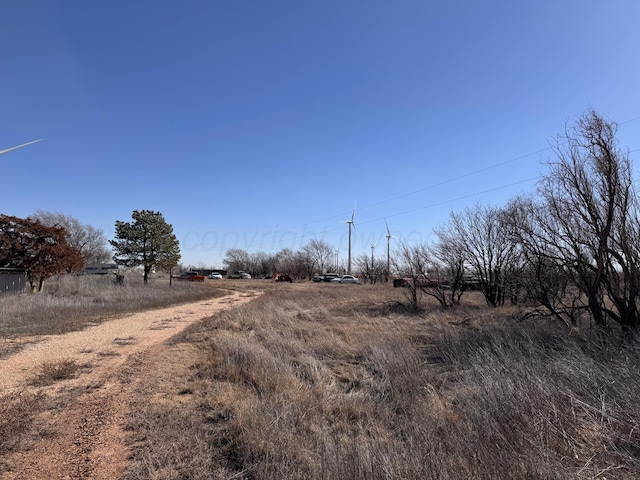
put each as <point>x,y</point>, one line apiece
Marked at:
<point>148,241</point>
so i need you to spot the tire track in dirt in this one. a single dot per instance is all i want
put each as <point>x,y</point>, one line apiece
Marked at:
<point>80,432</point>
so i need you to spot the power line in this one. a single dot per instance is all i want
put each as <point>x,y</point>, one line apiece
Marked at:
<point>444,182</point>
<point>413,192</point>
<point>437,204</point>
<point>460,177</point>
<point>443,202</point>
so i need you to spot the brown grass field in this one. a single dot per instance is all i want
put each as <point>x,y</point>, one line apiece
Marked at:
<point>75,302</point>
<point>320,381</point>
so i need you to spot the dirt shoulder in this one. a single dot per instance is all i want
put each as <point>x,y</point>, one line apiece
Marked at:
<point>79,431</point>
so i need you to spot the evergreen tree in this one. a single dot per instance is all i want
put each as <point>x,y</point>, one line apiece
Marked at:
<point>148,241</point>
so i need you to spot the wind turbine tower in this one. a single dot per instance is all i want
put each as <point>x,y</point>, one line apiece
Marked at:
<point>372,271</point>
<point>389,237</point>
<point>351,224</point>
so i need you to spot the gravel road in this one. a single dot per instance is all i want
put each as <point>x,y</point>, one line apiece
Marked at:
<point>83,437</point>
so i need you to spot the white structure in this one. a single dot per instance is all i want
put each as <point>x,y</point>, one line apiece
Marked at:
<point>100,268</point>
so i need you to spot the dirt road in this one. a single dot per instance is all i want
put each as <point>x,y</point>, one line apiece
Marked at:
<point>80,434</point>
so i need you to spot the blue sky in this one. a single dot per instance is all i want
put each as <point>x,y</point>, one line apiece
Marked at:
<point>259,125</point>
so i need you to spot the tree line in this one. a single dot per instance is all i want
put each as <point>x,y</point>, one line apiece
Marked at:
<point>571,250</point>
<point>46,244</point>
<point>316,256</point>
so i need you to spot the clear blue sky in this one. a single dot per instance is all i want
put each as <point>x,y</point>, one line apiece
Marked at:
<point>258,125</point>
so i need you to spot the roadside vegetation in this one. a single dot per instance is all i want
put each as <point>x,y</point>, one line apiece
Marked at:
<point>511,349</point>
<point>72,302</point>
<point>331,382</point>
<point>69,303</point>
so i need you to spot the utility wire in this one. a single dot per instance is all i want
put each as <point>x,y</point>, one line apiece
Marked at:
<point>444,182</point>
<point>436,204</point>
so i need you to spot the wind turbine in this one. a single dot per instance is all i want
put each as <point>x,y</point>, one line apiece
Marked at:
<point>7,150</point>
<point>389,237</point>
<point>351,224</point>
<point>372,268</point>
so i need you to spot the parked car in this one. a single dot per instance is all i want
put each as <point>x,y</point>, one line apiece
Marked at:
<point>420,281</point>
<point>239,274</point>
<point>345,279</point>
<point>189,277</point>
<point>325,277</point>
<point>282,277</point>
<point>214,276</point>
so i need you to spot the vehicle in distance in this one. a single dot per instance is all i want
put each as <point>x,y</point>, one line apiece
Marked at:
<point>189,277</point>
<point>239,274</point>
<point>345,279</point>
<point>421,281</point>
<point>282,277</point>
<point>214,276</point>
<point>325,277</point>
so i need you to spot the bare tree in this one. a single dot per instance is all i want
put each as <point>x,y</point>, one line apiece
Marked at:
<point>449,263</point>
<point>419,275</point>
<point>587,224</point>
<point>370,269</point>
<point>305,265</point>
<point>544,276</point>
<point>291,262</point>
<point>236,259</point>
<point>261,264</point>
<point>410,261</point>
<point>320,253</point>
<point>481,235</point>
<point>86,239</point>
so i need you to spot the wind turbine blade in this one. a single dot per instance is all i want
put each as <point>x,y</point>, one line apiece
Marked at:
<point>19,146</point>
<point>385,222</point>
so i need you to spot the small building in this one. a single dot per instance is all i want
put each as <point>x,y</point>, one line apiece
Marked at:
<point>13,280</point>
<point>100,268</point>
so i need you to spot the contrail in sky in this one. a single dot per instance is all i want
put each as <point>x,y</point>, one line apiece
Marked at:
<point>19,146</point>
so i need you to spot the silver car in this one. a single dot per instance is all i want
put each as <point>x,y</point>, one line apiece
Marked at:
<point>345,279</point>
<point>239,274</point>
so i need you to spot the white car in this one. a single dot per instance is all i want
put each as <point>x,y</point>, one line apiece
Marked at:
<point>239,274</point>
<point>214,276</point>
<point>345,279</point>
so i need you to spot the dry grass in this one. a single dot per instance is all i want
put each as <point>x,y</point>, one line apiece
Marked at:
<point>69,303</point>
<point>17,411</point>
<point>336,382</point>
<point>52,371</point>
<point>323,382</point>
<point>74,302</point>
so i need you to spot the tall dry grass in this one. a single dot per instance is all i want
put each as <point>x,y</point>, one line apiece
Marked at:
<point>334,383</point>
<point>72,302</point>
